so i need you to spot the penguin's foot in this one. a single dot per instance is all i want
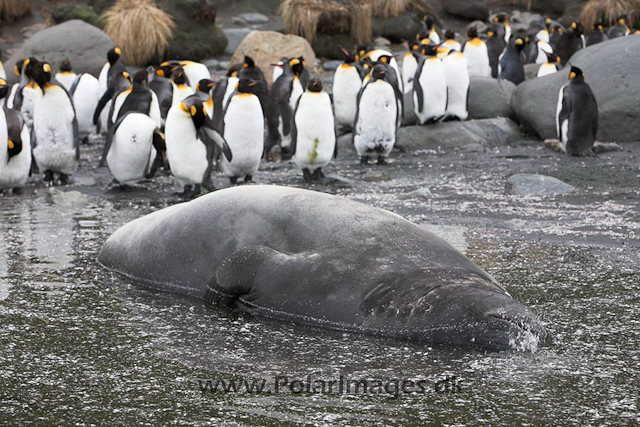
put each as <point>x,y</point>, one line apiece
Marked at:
<point>64,179</point>
<point>286,153</point>
<point>364,160</point>
<point>308,178</point>
<point>233,180</point>
<point>197,189</point>
<point>85,140</point>
<point>248,178</point>
<point>186,190</point>
<point>48,178</point>
<point>317,174</point>
<point>399,148</point>
<point>381,161</point>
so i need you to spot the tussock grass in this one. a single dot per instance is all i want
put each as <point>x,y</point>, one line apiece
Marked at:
<point>140,28</point>
<point>608,11</point>
<point>10,10</point>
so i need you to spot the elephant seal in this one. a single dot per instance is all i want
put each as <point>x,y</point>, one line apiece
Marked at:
<point>323,260</point>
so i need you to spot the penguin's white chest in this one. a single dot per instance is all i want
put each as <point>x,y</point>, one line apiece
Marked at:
<point>66,79</point>
<point>129,154</point>
<point>409,68</point>
<point>195,71</point>
<point>231,87</point>
<point>187,155</point>
<point>477,56</point>
<point>85,99</point>
<point>16,170</point>
<point>457,77</point>
<point>543,47</point>
<point>546,69</point>
<point>29,96</point>
<point>346,85</point>
<point>376,126</point>
<point>53,127</point>
<point>4,135</point>
<point>184,91</point>
<point>244,132</point>
<point>432,81</point>
<point>316,138</point>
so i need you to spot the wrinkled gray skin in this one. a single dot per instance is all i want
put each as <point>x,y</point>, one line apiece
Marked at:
<point>319,259</point>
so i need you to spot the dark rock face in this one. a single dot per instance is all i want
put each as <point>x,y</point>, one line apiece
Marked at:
<point>489,98</point>
<point>402,27</point>
<point>616,87</point>
<point>84,45</point>
<point>466,9</point>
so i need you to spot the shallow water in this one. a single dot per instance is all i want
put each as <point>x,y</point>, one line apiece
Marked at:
<point>80,346</point>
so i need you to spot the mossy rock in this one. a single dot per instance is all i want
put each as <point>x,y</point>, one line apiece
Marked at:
<point>67,12</point>
<point>328,45</point>
<point>403,27</point>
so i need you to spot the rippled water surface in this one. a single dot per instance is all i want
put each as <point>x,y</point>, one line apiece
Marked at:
<point>79,346</point>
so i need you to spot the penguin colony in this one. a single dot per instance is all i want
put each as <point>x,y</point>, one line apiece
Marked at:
<point>176,117</point>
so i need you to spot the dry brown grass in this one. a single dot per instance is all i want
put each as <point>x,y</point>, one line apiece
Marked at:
<point>608,11</point>
<point>140,29</point>
<point>10,10</point>
<point>306,17</point>
<point>389,8</point>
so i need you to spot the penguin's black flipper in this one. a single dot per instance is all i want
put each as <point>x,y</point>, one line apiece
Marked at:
<point>107,143</point>
<point>76,137</point>
<point>565,111</point>
<point>355,121</point>
<point>294,129</point>
<point>106,97</point>
<point>211,137</point>
<point>75,84</point>
<point>17,98</point>
<point>417,88</point>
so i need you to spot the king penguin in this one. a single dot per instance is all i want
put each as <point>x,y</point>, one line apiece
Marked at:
<point>554,36</point>
<point>376,120</point>
<point>85,92</point>
<point>183,87</point>
<point>193,71</point>
<point>511,67</point>
<point>3,73</point>
<point>191,140</point>
<point>15,146</point>
<point>17,69</point>
<point>65,75</point>
<point>504,27</point>
<point>243,129</point>
<point>222,92</point>
<point>204,88</point>
<point>551,66</point>
<point>282,100</point>
<point>495,47</point>
<point>477,54</point>
<point>27,92</point>
<point>621,28</point>
<point>137,97</point>
<point>577,115</point>
<point>165,91</point>
<point>570,42</point>
<point>251,71</point>
<point>450,41</point>
<point>543,49</point>
<point>597,34</point>
<point>346,86</point>
<point>429,29</point>
<point>430,88</point>
<point>313,140</point>
<point>457,78</point>
<point>55,128</point>
<point>110,84</point>
<point>409,67</point>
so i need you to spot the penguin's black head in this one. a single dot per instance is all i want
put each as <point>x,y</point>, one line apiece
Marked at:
<point>450,35</point>
<point>314,85</point>
<point>349,57</point>
<point>246,85</point>
<point>179,77</point>
<point>17,69</point>
<point>205,85</point>
<point>557,29</point>
<point>141,77</point>
<point>65,66</point>
<point>234,70</point>
<point>42,74</point>
<point>362,51</point>
<point>296,66</point>
<point>4,88</point>
<point>622,19</point>
<point>193,106</point>
<point>28,66</point>
<point>379,72</point>
<point>577,28</point>
<point>428,21</point>
<point>552,57</point>
<point>367,63</point>
<point>281,62</point>
<point>519,42</point>
<point>167,68</point>
<point>491,32</point>
<point>501,18</point>
<point>576,74</point>
<point>472,32</point>
<point>547,23</point>
<point>113,55</point>
<point>598,25</point>
<point>423,35</point>
<point>248,62</point>
<point>414,46</point>
<point>429,50</point>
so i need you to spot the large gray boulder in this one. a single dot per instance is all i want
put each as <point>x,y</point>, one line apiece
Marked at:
<point>83,44</point>
<point>611,70</point>
<point>525,184</point>
<point>473,135</point>
<point>489,98</point>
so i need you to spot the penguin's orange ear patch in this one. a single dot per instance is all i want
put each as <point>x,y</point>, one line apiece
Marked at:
<point>194,110</point>
<point>10,144</point>
<point>183,107</point>
<point>46,68</point>
<point>572,75</point>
